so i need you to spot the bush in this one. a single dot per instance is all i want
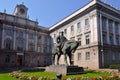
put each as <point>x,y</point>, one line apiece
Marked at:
<point>114,66</point>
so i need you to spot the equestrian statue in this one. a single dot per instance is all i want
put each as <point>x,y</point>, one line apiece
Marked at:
<point>64,47</point>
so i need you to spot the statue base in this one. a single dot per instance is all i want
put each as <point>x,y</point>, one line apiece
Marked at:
<point>64,69</point>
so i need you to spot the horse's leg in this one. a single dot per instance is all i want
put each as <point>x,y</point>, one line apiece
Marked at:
<point>70,60</point>
<point>65,57</point>
<point>58,59</point>
<point>53,59</point>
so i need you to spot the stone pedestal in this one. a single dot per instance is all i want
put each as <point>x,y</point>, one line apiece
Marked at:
<point>64,70</point>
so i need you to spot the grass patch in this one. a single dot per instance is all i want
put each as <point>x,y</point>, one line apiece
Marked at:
<point>41,73</point>
<point>5,76</point>
<point>88,74</point>
<point>53,75</point>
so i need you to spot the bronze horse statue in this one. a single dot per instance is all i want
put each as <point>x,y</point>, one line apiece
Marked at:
<point>68,48</point>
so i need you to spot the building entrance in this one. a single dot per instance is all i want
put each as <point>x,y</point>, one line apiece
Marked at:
<point>19,60</point>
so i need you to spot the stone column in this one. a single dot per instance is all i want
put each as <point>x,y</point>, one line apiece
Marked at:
<point>92,28</point>
<point>14,40</point>
<point>114,35</point>
<point>36,41</point>
<point>95,29</point>
<point>3,36</point>
<point>26,40</point>
<point>119,32</point>
<point>108,41</point>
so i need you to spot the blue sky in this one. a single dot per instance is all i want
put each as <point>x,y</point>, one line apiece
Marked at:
<point>49,12</point>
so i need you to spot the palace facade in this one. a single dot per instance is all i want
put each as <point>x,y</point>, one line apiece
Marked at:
<point>96,26</point>
<point>22,41</point>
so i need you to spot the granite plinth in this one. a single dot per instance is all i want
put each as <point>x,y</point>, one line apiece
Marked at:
<point>64,69</point>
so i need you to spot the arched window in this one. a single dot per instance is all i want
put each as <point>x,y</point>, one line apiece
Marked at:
<point>8,44</point>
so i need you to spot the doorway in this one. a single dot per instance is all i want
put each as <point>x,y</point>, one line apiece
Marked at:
<point>19,60</point>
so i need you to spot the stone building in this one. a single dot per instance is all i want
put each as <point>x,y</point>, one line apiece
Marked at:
<point>97,28</point>
<point>22,41</point>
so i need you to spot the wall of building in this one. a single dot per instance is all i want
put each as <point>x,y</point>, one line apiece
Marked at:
<point>24,41</point>
<point>0,35</point>
<point>87,61</point>
<point>8,59</point>
<point>109,42</point>
<point>92,27</point>
<point>79,34</point>
<point>101,33</point>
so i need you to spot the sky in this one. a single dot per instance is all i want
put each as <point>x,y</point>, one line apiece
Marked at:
<point>49,12</point>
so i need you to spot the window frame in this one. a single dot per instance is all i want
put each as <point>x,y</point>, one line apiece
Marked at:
<point>87,57</point>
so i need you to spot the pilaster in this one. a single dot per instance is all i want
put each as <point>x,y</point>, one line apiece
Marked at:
<point>3,37</point>
<point>26,45</point>
<point>36,41</point>
<point>108,41</point>
<point>14,39</point>
<point>114,35</point>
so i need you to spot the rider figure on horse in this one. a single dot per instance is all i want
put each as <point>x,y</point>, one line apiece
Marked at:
<point>60,40</point>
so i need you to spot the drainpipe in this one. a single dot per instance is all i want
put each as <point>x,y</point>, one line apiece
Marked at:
<point>102,52</point>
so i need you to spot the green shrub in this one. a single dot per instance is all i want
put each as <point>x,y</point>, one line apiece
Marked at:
<point>114,66</point>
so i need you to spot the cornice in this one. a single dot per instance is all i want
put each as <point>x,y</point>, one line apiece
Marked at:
<point>94,4</point>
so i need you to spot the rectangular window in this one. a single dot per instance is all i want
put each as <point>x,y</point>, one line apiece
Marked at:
<point>87,55</point>
<point>113,56</point>
<point>78,25</point>
<point>79,56</point>
<point>117,27</point>
<point>111,39</point>
<point>104,23</point>
<point>45,49</point>
<point>79,39</point>
<point>72,28</point>
<point>45,39</point>
<point>31,36</point>
<point>39,37</point>
<point>87,39</point>
<point>20,45</point>
<point>31,46</point>
<point>110,25</point>
<point>39,49</point>
<point>9,31</point>
<point>86,22</point>
<point>104,38</point>
<point>117,40</point>
<point>19,34</point>
<point>65,31</point>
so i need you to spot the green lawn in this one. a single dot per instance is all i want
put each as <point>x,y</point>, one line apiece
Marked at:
<point>41,73</point>
<point>5,76</point>
<point>88,74</point>
<point>53,75</point>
